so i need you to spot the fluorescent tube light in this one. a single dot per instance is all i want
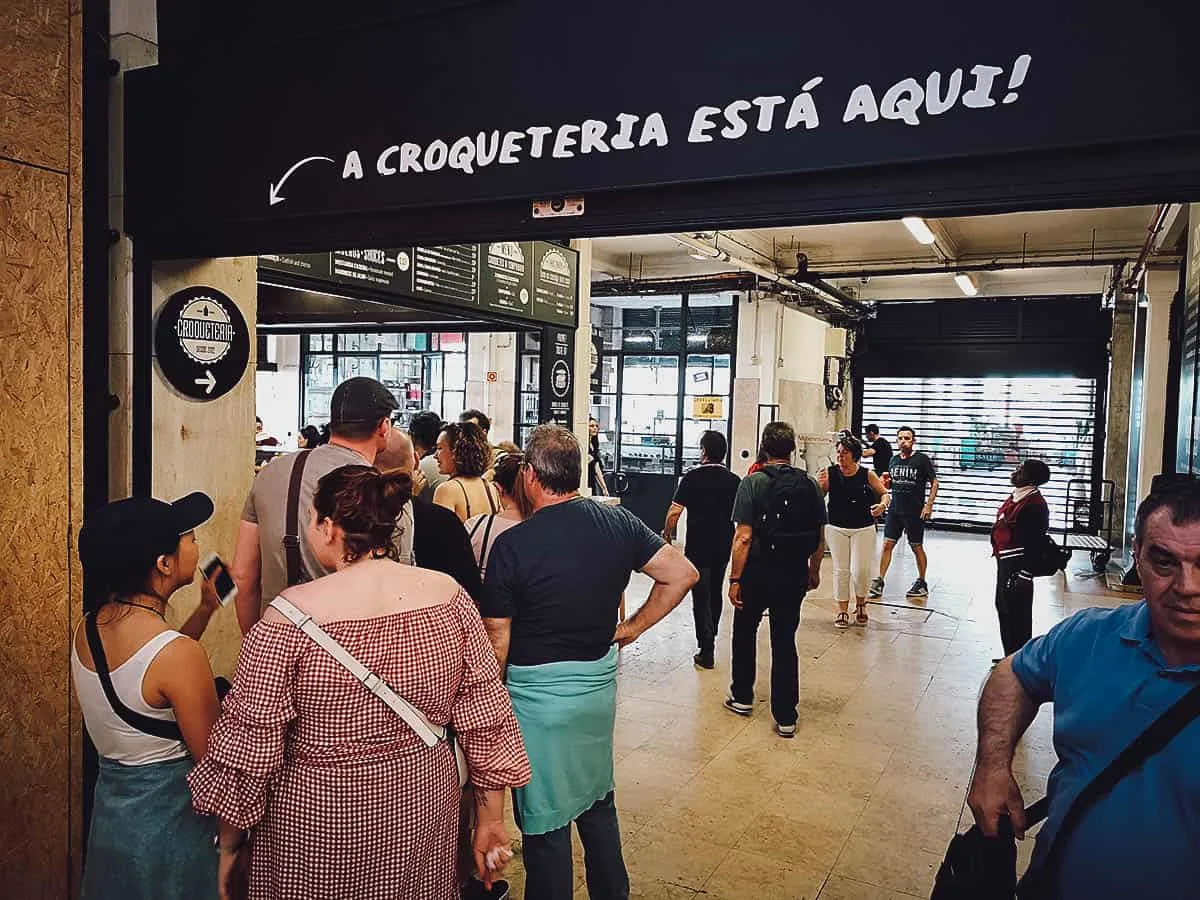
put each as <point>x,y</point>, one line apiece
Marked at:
<point>918,229</point>
<point>965,284</point>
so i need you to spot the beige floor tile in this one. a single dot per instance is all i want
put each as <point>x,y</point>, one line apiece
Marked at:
<point>844,889</point>
<point>743,875</point>
<point>672,858</point>
<point>811,845</point>
<point>889,861</point>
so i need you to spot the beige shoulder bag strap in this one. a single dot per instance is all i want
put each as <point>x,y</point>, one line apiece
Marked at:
<point>429,733</point>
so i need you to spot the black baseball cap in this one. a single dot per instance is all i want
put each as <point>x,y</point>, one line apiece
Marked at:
<point>133,533</point>
<point>361,399</point>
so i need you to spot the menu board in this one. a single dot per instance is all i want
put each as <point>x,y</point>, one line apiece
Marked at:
<point>387,269</point>
<point>556,396</point>
<point>531,280</point>
<point>506,277</point>
<point>448,274</point>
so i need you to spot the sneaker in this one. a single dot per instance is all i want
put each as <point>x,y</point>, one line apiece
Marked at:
<point>704,660</point>
<point>785,731</point>
<point>919,589</point>
<point>876,590</point>
<point>742,709</point>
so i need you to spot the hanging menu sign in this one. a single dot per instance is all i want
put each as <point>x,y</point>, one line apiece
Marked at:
<point>530,280</point>
<point>506,277</point>
<point>448,274</point>
<point>553,285</point>
<point>557,394</point>
<point>387,269</point>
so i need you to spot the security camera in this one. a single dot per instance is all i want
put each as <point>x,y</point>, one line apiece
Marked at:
<point>558,204</point>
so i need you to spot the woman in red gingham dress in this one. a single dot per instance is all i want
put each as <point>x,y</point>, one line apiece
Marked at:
<point>342,798</point>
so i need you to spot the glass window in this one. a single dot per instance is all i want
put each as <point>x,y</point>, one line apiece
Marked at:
<point>319,343</point>
<point>356,366</point>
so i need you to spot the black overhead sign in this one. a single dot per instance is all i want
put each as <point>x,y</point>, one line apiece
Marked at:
<point>529,280</point>
<point>202,343</point>
<point>390,119</point>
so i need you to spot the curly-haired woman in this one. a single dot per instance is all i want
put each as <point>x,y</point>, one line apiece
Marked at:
<point>463,454</point>
<point>341,794</point>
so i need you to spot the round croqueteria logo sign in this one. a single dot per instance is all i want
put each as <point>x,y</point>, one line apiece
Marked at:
<point>202,343</point>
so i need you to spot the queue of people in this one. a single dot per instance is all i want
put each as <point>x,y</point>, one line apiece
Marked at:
<point>415,650</point>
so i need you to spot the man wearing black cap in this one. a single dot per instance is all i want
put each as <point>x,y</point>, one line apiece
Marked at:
<point>360,418</point>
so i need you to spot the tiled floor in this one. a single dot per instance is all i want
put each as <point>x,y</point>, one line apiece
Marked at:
<point>861,804</point>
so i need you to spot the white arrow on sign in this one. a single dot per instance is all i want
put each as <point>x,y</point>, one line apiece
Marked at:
<point>208,379</point>
<point>274,196</point>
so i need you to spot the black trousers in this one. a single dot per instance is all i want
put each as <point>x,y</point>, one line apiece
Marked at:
<point>782,596</point>
<point>708,602</point>
<point>1014,604</point>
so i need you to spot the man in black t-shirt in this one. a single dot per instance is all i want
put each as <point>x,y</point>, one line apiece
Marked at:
<point>778,546</point>
<point>878,450</point>
<point>707,493</point>
<point>552,589</point>
<point>911,472</point>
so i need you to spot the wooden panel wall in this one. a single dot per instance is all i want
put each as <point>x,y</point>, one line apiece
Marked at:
<point>41,442</point>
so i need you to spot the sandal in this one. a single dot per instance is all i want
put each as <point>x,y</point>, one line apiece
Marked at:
<point>860,614</point>
<point>842,620</point>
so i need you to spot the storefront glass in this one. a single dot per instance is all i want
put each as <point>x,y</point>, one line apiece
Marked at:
<point>655,391</point>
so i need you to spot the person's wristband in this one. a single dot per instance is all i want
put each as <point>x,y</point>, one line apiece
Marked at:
<point>737,580</point>
<point>234,848</point>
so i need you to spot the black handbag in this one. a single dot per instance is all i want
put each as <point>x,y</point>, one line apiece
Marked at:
<point>982,868</point>
<point>1045,557</point>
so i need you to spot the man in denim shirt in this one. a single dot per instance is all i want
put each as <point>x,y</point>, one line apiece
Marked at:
<point>1110,673</point>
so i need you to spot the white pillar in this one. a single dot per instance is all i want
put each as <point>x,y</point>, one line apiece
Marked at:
<point>1161,285</point>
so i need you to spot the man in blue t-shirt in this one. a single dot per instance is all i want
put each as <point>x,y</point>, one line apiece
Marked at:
<point>911,472</point>
<point>1110,673</point>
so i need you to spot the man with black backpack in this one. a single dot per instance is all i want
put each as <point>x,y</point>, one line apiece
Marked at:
<point>778,546</point>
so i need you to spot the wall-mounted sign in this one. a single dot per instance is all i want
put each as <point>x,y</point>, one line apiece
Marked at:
<point>530,280</point>
<point>934,87</point>
<point>708,407</point>
<point>557,394</point>
<point>202,343</point>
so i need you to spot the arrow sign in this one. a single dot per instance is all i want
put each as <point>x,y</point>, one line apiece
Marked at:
<point>208,382</point>
<point>274,196</point>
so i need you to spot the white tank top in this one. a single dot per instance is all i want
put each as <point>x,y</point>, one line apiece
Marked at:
<point>114,738</point>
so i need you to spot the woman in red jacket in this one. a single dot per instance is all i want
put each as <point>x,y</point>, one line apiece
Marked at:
<point>1022,520</point>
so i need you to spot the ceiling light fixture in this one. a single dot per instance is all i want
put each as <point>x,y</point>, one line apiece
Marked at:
<point>703,257</point>
<point>918,229</point>
<point>965,284</point>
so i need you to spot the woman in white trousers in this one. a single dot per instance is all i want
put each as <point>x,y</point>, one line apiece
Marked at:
<point>856,498</point>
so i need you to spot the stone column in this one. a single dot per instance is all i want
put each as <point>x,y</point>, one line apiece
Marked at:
<point>1120,383</point>
<point>583,351</point>
<point>208,446</point>
<point>1161,285</point>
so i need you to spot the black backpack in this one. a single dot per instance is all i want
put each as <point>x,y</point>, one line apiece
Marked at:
<point>1045,557</point>
<point>786,534</point>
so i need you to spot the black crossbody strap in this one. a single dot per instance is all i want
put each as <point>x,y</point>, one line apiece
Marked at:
<point>159,728</point>
<point>1160,733</point>
<point>291,534</point>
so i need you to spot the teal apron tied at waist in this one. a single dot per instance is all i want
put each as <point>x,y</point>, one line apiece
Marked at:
<point>566,711</point>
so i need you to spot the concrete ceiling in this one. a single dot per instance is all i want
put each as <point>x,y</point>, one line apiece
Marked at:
<point>1025,252</point>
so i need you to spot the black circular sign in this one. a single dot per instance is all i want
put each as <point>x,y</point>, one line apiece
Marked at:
<point>202,343</point>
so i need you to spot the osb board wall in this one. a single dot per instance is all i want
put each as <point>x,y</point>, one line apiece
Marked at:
<point>35,501</point>
<point>208,446</point>
<point>802,405</point>
<point>41,445</point>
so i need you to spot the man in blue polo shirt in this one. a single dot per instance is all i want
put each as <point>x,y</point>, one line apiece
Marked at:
<point>1110,673</point>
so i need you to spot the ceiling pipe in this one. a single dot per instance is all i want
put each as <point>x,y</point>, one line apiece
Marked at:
<point>1139,267</point>
<point>833,299</point>
<point>875,272</point>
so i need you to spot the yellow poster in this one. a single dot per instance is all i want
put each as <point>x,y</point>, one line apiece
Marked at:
<point>708,407</point>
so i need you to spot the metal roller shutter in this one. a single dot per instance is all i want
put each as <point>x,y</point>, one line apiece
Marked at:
<point>977,430</point>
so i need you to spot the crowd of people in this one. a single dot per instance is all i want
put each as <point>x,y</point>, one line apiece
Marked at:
<point>421,640</point>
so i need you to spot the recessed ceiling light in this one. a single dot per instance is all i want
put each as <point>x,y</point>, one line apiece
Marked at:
<point>966,284</point>
<point>918,229</point>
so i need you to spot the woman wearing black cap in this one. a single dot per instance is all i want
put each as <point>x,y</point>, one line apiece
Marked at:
<point>148,700</point>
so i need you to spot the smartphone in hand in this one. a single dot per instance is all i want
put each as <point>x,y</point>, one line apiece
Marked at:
<point>226,589</point>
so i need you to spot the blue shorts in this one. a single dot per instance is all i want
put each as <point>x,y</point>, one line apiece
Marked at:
<point>900,522</point>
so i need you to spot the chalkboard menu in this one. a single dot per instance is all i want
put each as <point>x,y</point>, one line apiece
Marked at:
<point>530,280</point>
